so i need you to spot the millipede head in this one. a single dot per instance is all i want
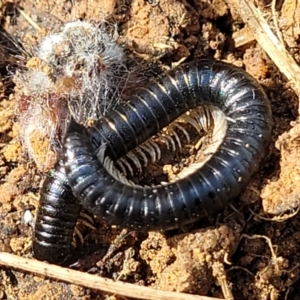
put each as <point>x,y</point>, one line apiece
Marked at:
<point>74,127</point>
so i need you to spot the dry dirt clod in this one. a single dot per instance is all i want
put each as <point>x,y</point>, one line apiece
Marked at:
<point>190,262</point>
<point>282,195</point>
<point>167,32</point>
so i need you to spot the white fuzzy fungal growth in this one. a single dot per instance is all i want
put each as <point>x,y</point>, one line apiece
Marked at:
<point>90,62</point>
<point>78,72</point>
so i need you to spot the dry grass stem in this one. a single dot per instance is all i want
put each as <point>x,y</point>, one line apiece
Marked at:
<point>92,281</point>
<point>262,32</point>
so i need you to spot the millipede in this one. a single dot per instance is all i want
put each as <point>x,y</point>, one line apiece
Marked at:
<point>98,187</point>
<point>58,208</point>
<point>97,184</point>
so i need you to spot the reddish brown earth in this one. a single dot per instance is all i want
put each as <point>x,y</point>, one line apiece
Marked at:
<point>227,253</point>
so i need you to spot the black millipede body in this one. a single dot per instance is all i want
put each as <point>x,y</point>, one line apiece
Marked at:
<point>208,189</point>
<point>55,218</point>
<point>122,129</point>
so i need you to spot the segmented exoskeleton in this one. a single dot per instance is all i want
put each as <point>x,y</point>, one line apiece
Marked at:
<point>124,128</point>
<point>58,208</point>
<point>55,218</point>
<point>97,185</point>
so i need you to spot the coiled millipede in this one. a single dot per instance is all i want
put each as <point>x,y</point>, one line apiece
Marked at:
<point>58,208</point>
<point>103,191</point>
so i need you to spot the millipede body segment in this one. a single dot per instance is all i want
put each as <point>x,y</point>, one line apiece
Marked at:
<point>95,182</point>
<point>55,218</point>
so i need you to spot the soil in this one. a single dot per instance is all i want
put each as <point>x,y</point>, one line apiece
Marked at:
<point>251,250</point>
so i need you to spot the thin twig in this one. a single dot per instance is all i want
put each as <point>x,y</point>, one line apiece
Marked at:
<point>276,218</point>
<point>275,21</point>
<point>29,20</point>
<point>92,281</point>
<point>258,236</point>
